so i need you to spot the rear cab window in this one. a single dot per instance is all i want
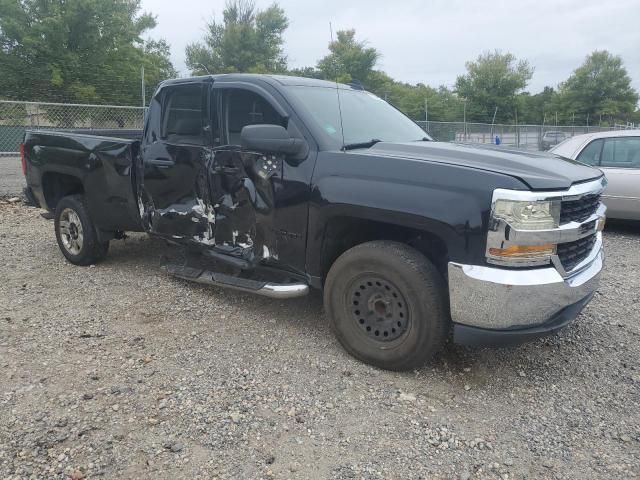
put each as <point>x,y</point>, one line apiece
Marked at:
<point>182,117</point>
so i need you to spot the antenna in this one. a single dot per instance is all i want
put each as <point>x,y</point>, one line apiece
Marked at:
<point>203,66</point>
<point>338,92</point>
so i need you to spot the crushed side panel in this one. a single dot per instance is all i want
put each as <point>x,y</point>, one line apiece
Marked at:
<point>181,207</point>
<point>242,186</point>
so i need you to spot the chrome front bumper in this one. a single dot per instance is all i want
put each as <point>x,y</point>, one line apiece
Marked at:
<point>508,299</point>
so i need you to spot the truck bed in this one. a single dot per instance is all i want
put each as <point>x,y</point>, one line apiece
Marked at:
<point>110,133</point>
<point>101,163</point>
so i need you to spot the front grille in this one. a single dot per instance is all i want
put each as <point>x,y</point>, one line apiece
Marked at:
<point>572,253</point>
<point>579,210</point>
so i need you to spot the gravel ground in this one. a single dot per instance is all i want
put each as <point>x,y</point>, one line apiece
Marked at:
<point>118,371</point>
<point>11,178</point>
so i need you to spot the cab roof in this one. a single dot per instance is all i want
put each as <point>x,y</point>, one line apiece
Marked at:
<point>275,80</point>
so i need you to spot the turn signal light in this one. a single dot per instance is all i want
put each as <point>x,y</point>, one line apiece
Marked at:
<point>516,251</point>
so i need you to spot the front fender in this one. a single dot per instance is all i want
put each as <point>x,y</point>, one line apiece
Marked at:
<point>453,203</point>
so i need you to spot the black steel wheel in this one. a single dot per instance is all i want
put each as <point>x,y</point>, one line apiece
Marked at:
<point>379,308</point>
<point>386,304</point>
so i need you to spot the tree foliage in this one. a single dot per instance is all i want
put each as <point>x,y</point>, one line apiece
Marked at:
<point>247,40</point>
<point>157,65</point>
<point>309,72</point>
<point>418,101</point>
<point>599,87</point>
<point>349,59</point>
<point>493,80</point>
<point>91,51</point>
<point>538,108</point>
<point>78,51</point>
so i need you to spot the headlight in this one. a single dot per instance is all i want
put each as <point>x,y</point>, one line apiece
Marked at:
<point>524,215</point>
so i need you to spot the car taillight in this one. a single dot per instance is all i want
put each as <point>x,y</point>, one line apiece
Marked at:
<point>23,160</point>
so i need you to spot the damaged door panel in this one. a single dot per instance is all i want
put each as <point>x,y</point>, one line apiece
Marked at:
<point>175,197</point>
<point>243,182</point>
<point>242,188</point>
<point>200,187</point>
<point>174,194</point>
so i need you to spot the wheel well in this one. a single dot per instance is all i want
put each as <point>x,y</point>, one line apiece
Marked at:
<point>56,186</point>
<point>343,233</point>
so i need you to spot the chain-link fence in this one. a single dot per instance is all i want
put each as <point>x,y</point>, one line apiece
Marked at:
<point>529,137</point>
<point>16,117</point>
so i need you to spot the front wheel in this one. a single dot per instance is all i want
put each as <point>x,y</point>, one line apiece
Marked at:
<point>76,233</point>
<point>386,304</point>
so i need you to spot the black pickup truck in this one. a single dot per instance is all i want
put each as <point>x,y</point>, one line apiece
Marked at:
<point>277,184</point>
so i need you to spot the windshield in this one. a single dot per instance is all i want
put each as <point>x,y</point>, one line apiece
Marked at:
<point>365,116</point>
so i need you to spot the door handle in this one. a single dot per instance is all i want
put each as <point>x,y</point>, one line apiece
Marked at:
<point>226,169</point>
<point>160,162</point>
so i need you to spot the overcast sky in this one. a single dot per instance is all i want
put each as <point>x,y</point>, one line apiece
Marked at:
<point>429,41</point>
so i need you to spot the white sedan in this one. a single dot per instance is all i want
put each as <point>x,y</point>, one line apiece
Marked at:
<point>617,154</point>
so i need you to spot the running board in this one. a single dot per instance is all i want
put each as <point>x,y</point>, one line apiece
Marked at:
<point>266,289</point>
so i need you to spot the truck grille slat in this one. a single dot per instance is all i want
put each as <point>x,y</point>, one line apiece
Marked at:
<point>579,210</point>
<point>572,253</point>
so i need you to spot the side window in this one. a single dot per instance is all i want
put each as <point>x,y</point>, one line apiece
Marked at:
<point>242,108</point>
<point>591,153</point>
<point>182,115</point>
<point>622,152</point>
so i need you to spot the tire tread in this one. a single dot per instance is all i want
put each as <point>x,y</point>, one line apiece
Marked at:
<point>432,286</point>
<point>95,250</point>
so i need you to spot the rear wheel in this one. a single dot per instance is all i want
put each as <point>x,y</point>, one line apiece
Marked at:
<point>386,304</point>
<point>76,233</point>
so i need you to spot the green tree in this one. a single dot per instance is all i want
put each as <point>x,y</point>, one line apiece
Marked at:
<point>157,65</point>
<point>309,72</point>
<point>493,80</point>
<point>538,108</point>
<point>247,40</point>
<point>599,87</point>
<point>410,99</point>
<point>78,51</point>
<point>349,59</point>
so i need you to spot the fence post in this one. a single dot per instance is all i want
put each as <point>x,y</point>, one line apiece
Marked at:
<point>464,118</point>
<point>517,131</point>
<point>540,135</point>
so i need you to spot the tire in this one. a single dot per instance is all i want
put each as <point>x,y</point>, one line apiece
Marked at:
<point>387,305</point>
<point>76,233</point>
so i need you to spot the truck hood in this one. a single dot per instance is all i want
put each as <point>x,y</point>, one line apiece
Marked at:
<point>539,171</point>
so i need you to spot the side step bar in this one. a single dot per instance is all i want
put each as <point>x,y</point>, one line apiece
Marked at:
<point>266,289</point>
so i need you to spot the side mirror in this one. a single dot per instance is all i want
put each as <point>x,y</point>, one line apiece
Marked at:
<point>270,139</point>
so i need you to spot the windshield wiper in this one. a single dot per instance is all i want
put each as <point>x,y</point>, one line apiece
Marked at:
<point>353,146</point>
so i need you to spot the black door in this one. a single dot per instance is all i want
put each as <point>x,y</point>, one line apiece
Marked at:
<point>174,194</point>
<point>244,183</point>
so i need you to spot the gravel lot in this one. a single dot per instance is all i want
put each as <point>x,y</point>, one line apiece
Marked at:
<point>118,371</point>
<point>11,178</point>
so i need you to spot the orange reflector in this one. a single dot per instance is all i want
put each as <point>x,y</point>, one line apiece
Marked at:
<point>524,250</point>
